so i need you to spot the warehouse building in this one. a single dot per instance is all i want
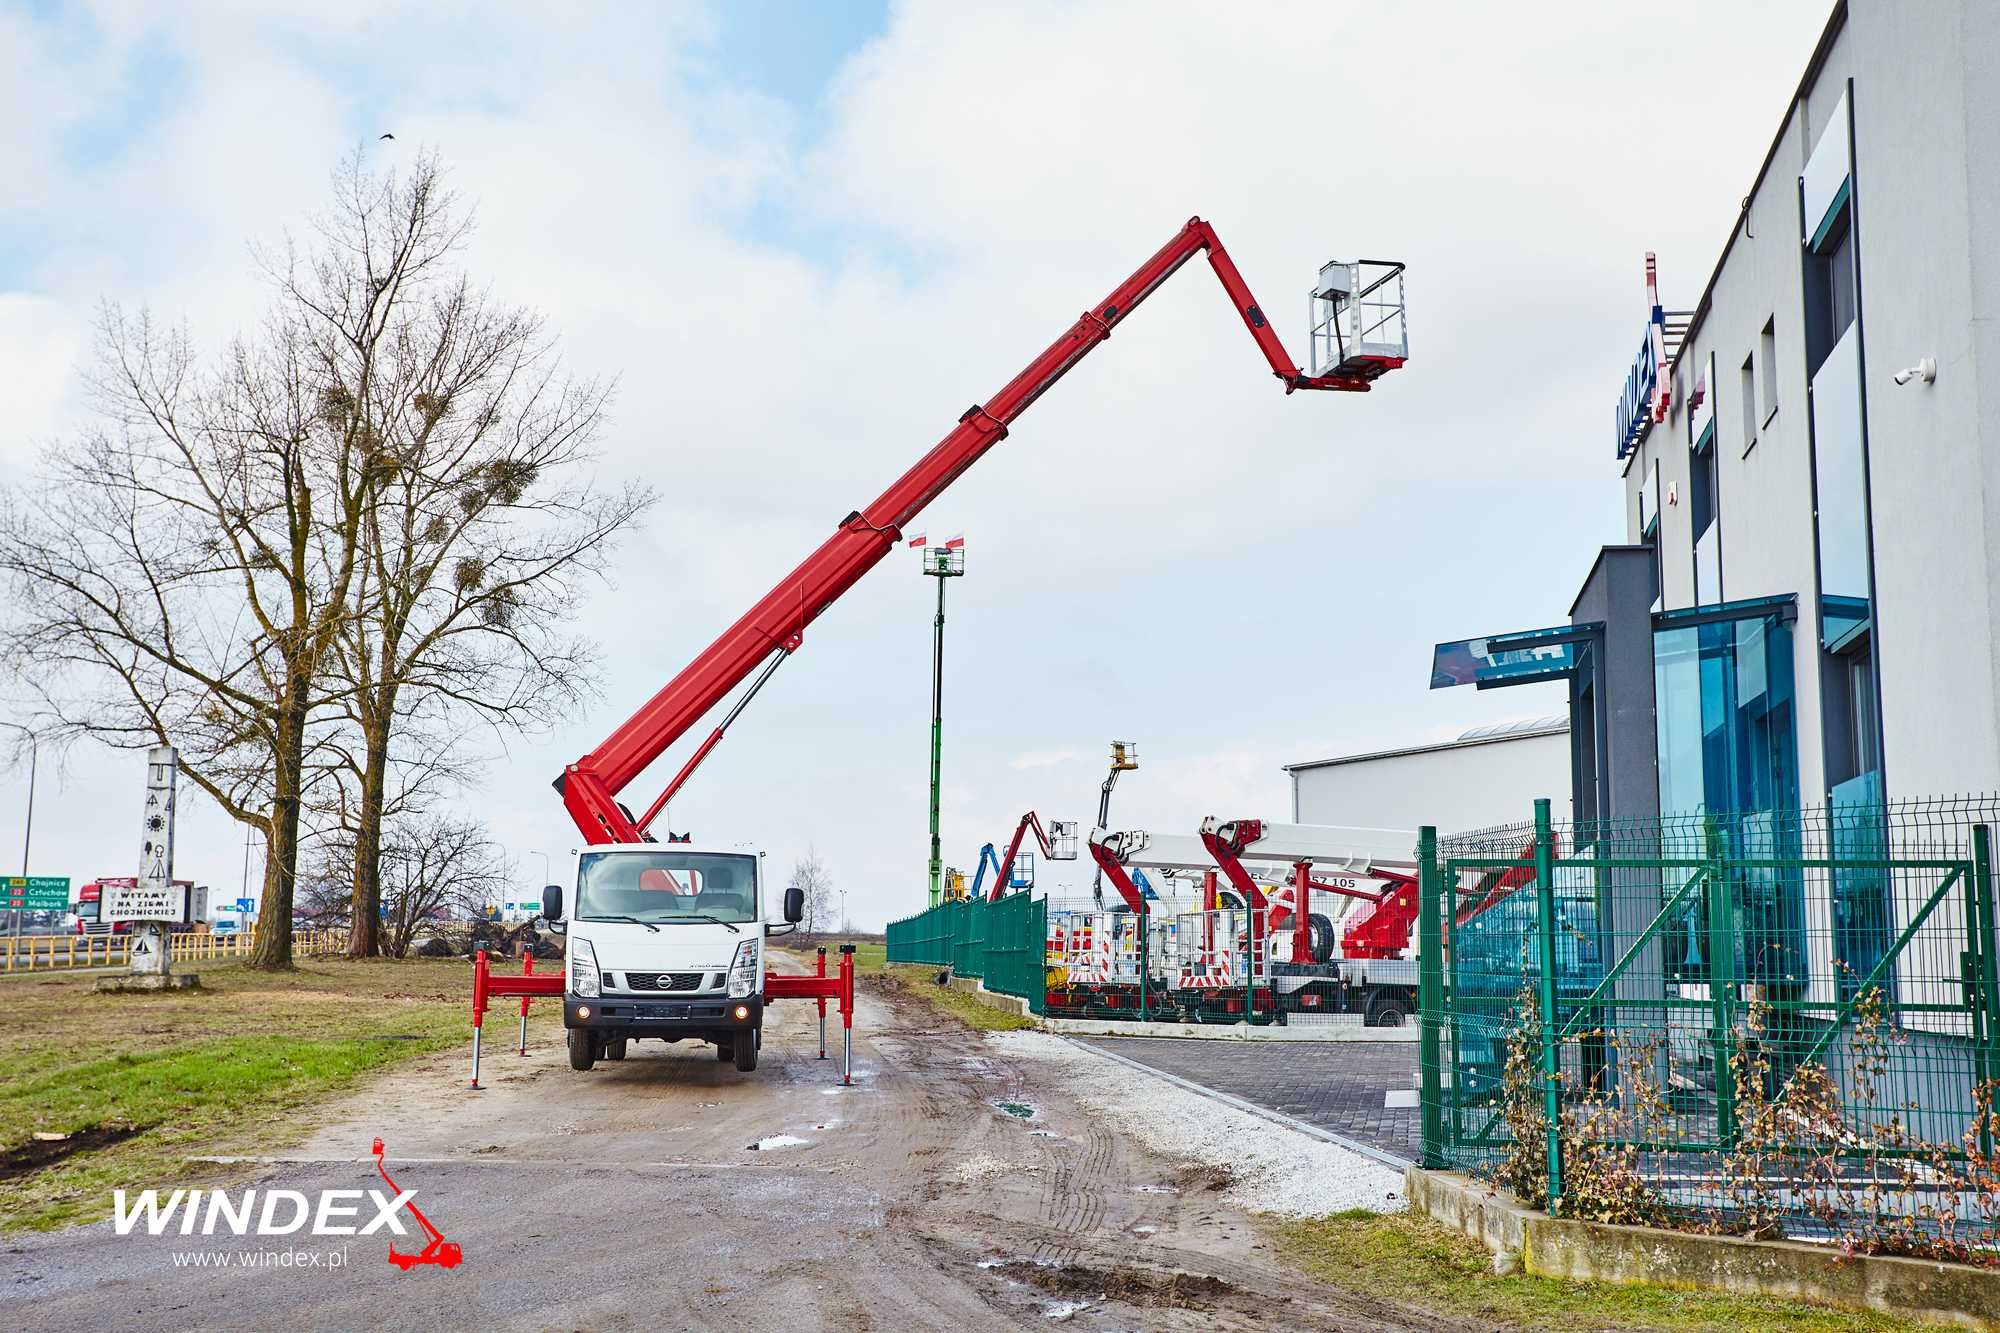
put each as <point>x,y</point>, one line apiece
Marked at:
<point>1474,781</point>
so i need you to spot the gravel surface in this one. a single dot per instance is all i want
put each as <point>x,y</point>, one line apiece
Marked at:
<point>1270,1169</point>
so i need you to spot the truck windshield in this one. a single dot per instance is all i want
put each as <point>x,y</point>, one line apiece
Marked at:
<point>666,886</point>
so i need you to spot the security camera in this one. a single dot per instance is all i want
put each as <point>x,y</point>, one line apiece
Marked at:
<point>1925,370</point>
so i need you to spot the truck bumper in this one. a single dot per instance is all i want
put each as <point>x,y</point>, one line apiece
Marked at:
<point>697,1016</point>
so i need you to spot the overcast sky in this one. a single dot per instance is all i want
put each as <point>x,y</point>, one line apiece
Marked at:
<point>805,236</point>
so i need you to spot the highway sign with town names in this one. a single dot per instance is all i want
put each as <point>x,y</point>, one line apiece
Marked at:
<point>35,893</point>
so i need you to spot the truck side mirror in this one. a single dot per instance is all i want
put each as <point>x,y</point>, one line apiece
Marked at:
<point>552,905</point>
<point>795,904</point>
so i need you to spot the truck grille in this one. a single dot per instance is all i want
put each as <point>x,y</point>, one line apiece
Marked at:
<point>663,980</point>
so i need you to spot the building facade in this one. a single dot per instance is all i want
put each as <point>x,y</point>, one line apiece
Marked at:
<point>1815,476</point>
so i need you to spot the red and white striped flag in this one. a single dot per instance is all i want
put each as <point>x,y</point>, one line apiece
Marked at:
<point>917,540</point>
<point>955,542</point>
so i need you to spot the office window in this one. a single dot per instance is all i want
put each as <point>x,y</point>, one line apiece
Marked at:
<point>1748,390</point>
<point>1727,745</point>
<point>1861,924</point>
<point>1767,360</point>
<point>1830,299</point>
<point>1701,490</point>
<point>1703,502</point>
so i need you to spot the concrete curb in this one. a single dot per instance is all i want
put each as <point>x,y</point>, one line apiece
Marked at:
<point>1107,1027</point>
<point>1527,1240</point>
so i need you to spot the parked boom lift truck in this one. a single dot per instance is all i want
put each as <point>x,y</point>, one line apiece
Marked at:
<point>683,930</point>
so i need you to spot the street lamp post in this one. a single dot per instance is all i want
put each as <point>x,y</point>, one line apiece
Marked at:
<point>545,872</point>
<point>941,563</point>
<point>28,831</point>
<point>843,911</point>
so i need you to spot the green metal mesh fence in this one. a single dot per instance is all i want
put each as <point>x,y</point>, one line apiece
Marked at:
<point>1771,1022</point>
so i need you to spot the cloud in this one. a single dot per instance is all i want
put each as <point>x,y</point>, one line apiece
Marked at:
<point>1041,759</point>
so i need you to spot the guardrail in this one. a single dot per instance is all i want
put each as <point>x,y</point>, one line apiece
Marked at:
<point>52,953</point>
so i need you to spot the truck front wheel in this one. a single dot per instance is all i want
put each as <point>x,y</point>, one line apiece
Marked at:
<point>1388,1009</point>
<point>746,1050</point>
<point>582,1049</point>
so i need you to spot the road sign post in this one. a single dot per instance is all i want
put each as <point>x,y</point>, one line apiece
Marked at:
<point>35,893</point>
<point>152,902</point>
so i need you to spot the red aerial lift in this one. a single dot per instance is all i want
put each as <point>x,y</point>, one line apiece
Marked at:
<point>1058,843</point>
<point>1358,336</point>
<point>1376,975</point>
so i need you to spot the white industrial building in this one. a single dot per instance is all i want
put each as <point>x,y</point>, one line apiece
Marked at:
<point>1488,776</point>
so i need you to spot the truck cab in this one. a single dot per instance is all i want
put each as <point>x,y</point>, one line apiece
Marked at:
<point>664,940</point>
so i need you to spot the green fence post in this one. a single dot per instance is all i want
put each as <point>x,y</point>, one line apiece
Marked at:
<point>1545,912</point>
<point>1721,979</point>
<point>1249,963</point>
<point>1430,978</point>
<point>1989,967</point>
<point>1145,965</point>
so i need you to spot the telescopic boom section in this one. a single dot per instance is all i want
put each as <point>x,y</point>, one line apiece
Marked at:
<point>775,626</point>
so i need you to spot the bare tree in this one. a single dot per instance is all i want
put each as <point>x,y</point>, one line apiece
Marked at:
<point>810,874</point>
<point>479,539</point>
<point>435,868</point>
<point>178,573</point>
<point>357,515</point>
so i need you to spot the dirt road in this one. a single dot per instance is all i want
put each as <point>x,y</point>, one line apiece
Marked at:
<point>949,1188</point>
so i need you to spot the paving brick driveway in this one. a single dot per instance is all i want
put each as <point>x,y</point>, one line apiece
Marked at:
<point>1337,1085</point>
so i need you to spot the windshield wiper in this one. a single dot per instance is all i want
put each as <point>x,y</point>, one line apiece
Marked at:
<point>633,919</point>
<point>703,916</point>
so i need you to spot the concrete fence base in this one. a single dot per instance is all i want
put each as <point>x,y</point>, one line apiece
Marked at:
<point>1114,1027</point>
<point>1527,1240</point>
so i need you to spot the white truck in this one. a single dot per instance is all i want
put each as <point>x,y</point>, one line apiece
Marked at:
<point>665,940</point>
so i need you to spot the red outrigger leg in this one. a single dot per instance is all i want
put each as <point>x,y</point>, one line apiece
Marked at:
<point>819,986</point>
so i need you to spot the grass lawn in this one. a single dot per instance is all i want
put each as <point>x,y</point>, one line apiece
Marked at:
<point>1408,1257</point>
<point>223,1070</point>
<point>869,955</point>
<point>920,983</point>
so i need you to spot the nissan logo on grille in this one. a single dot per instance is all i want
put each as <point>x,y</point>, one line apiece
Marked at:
<point>663,980</point>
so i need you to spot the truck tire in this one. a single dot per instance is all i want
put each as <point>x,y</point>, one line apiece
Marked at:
<point>582,1049</point>
<point>1320,942</point>
<point>746,1050</point>
<point>614,1048</point>
<point>1389,1009</point>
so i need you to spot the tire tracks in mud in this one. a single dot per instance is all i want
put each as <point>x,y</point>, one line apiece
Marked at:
<point>1080,1222</point>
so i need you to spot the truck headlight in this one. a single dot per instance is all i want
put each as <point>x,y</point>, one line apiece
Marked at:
<point>582,969</point>
<point>743,971</point>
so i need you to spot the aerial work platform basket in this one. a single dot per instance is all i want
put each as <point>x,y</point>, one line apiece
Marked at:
<point>1359,325</point>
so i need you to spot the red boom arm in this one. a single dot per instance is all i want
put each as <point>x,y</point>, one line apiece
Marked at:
<point>1006,875</point>
<point>774,627</point>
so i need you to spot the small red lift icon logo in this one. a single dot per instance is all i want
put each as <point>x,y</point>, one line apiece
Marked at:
<point>444,1253</point>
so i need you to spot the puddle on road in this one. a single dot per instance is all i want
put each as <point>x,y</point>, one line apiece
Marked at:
<point>1019,1110</point>
<point>38,1153</point>
<point>1147,1288</point>
<point>776,1141</point>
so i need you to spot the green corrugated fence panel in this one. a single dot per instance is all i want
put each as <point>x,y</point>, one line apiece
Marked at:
<point>1002,943</point>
